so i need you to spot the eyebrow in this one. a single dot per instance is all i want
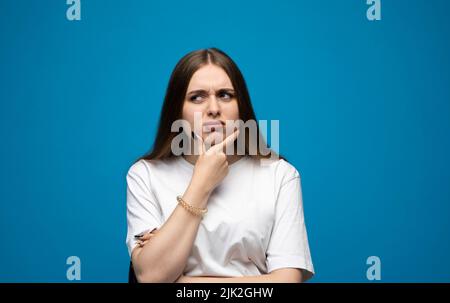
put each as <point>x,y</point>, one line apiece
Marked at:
<point>199,91</point>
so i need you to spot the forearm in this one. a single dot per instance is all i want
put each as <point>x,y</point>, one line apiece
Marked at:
<point>248,279</point>
<point>288,275</point>
<point>163,258</point>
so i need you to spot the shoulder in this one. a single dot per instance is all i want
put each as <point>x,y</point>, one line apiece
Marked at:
<point>285,171</point>
<point>280,169</point>
<point>139,168</point>
<point>143,168</point>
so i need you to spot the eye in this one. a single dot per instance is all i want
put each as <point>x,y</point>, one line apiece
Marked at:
<point>196,98</point>
<point>225,96</point>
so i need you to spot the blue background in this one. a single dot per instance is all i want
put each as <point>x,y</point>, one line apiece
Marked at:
<point>363,109</point>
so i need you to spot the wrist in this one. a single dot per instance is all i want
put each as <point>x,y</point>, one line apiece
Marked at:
<point>199,188</point>
<point>196,196</point>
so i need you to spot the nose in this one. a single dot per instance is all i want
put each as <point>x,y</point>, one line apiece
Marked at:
<point>213,107</point>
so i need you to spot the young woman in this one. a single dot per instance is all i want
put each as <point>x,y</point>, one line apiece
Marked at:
<point>212,216</point>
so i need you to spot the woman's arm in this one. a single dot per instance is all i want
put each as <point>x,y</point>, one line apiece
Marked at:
<point>164,258</point>
<point>283,275</point>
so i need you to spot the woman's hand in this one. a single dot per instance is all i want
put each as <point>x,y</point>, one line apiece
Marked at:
<point>212,165</point>
<point>145,238</point>
<point>166,254</point>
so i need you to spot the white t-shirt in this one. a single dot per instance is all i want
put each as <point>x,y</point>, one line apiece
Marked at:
<point>254,223</point>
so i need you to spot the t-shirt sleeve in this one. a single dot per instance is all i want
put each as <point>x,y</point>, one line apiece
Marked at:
<point>288,245</point>
<point>143,210</point>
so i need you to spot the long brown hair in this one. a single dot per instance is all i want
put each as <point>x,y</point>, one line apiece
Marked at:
<point>176,92</point>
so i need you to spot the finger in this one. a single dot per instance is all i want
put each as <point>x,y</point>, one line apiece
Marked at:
<point>200,144</point>
<point>228,140</point>
<point>152,232</point>
<point>212,139</point>
<point>146,237</point>
<point>141,243</point>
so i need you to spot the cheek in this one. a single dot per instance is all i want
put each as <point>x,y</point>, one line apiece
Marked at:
<point>231,111</point>
<point>188,113</point>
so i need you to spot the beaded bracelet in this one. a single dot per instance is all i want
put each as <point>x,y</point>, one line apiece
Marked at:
<point>200,212</point>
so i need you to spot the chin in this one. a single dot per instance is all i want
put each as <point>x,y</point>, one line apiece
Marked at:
<point>215,137</point>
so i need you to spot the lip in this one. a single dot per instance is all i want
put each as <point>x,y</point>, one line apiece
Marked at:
<point>213,123</point>
<point>213,126</point>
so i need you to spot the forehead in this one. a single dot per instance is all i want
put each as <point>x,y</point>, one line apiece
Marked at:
<point>209,77</point>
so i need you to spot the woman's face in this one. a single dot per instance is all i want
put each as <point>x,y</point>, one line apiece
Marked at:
<point>211,95</point>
